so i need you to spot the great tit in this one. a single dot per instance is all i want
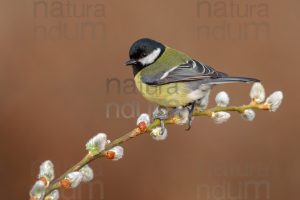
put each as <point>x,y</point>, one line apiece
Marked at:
<point>171,78</point>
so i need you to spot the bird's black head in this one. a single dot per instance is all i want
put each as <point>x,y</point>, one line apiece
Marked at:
<point>144,52</point>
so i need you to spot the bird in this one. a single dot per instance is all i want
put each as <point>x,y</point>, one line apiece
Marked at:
<point>172,79</point>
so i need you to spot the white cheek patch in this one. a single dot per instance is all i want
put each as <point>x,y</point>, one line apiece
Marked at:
<point>151,57</point>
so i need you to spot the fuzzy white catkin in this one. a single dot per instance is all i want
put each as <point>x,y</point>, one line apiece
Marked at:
<point>248,115</point>
<point>47,170</point>
<point>54,195</point>
<point>222,99</point>
<point>119,152</point>
<point>159,133</point>
<point>99,141</point>
<point>257,92</point>
<point>274,100</point>
<point>143,118</point>
<point>38,190</point>
<point>220,117</point>
<point>87,173</point>
<point>75,178</point>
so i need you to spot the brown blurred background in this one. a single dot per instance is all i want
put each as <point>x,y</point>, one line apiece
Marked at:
<point>56,57</point>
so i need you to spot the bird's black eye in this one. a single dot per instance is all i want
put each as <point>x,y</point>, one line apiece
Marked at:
<point>144,54</point>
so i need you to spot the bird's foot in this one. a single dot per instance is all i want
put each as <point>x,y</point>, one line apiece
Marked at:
<point>190,117</point>
<point>161,113</point>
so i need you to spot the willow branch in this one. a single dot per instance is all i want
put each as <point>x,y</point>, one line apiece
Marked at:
<point>138,131</point>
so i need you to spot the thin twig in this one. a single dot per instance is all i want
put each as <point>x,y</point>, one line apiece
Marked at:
<point>136,132</point>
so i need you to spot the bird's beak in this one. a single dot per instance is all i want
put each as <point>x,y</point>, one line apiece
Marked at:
<point>131,62</point>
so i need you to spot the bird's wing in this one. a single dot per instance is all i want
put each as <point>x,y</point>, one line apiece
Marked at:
<point>192,70</point>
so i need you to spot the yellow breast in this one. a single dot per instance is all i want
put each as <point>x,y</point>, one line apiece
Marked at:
<point>168,95</point>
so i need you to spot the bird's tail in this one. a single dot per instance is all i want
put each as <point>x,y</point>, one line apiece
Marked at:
<point>233,79</point>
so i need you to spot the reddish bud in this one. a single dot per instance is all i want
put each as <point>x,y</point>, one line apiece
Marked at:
<point>44,180</point>
<point>110,155</point>
<point>65,183</point>
<point>142,127</point>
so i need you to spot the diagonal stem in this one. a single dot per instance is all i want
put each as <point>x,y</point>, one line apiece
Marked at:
<point>136,132</point>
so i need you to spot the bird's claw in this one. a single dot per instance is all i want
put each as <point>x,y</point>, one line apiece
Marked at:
<point>161,113</point>
<point>190,117</point>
